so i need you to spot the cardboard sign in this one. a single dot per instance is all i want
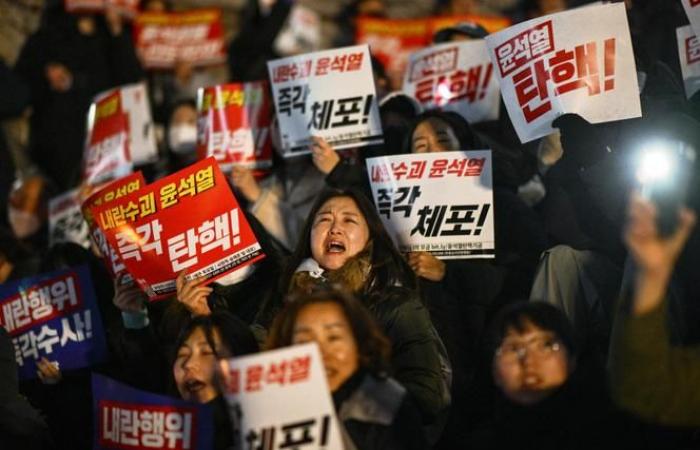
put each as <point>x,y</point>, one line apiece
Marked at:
<point>53,315</point>
<point>440,203</point>
<point>107,153</point>
<point>129,419</point>
<point>188,220</point>
<point>66,223</point>
<point>164,39</point>
<point>692,10</point>
<point>127,8</point>
<point>455,76</point>
<point>579,61</point>
<point>309,102</point>
<point>300,34</point>
<point>282,400</point>
<point>234,124</point>
<point>689,57</point>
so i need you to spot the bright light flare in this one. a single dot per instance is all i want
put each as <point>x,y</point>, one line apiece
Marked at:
<point>656,165</point>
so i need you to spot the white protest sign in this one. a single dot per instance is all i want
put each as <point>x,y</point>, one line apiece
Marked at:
<point>689,56</point>
<point>578,61</point>
<point>692,10</point>
<point>281,399</point>
<point>301,33</point>
<point>328,94</point>
<point>440,203</point>
<point>66,223</point>
<point>455,76</point>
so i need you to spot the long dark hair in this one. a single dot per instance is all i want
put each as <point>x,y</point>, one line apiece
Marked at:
<point>463,132</point>
<point>372,346</point>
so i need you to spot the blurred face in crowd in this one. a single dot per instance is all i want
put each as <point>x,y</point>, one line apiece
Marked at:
<point>326,324</point>
<point>434,135</point>
<point>551,6</point>
<point>531,365</point>
<point>195,367</point>
<point>339,232</point>
<point>182,134</point>
<point>26,211</point>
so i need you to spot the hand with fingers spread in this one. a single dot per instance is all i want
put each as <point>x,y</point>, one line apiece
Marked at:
<point>654,255</point>
<point>245,182</point>
<point>128,298</point>
<point>48,371</point>
<point>193,294</point>
<point>425,265</point>
<point>324,157</point>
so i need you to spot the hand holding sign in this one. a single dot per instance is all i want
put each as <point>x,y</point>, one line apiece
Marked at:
<point>426,265</point>
<point>128,297</point>
<point>48,371</point>
<point>193,294</point>
<point>324,157</point>
<point>243,180</point>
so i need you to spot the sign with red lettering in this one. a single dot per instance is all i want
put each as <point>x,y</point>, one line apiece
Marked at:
<point>189,220</point>
<point>129,419</point>
<point>578,61</point>
<point>107,153</point>
<point>689,57</point>
<point>128,8</point>
<point>440,203</point>
<point>692,10</point>
<point>164,39</point>
<point>234,124</point>
<point>103,196</point>
<point>309,101</point>
<point>257,385</point>
<point>455,76</point>
<point>55,316</point>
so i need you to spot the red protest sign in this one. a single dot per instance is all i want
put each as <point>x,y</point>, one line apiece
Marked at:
<point>107,153</point>
<point>164,39</point>
<point>188,220</point>
<point>234,124</point>
<point>107,194</point>
<point>128,8</point>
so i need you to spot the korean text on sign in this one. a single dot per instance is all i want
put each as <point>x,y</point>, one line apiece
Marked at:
<point>126,418</point>
<point>53,316</point>
<point>234,124</point>
<point>66,223</point>
<point>436,202</point>
<point>309,103</point>
<point>578,61</point>
<point>689,57</point>
<point>256,386</point>
<point>455,76</point>
<point>188,220</point>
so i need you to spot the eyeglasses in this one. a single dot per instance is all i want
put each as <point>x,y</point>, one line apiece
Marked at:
<point>543,346</point>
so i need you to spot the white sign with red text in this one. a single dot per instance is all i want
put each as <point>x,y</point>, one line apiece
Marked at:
<point>440,203</point>
<point>578,61</point>
<point>328,94</point>
<point>282,400</point>
<point>66,223</point>
<point>689,56</point>
<point>455,76</point>
<point>692,10</point>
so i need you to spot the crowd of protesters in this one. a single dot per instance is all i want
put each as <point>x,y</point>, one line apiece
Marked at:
<point>581,333</point>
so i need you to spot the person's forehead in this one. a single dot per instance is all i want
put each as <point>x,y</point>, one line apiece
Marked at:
<point>339,204</point>
<point>529,331</point>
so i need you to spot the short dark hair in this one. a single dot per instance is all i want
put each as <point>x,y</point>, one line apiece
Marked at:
<point>520,315</point>
<point>373,347</point>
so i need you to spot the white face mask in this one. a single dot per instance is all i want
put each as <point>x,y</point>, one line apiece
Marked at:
<point>23,224</point>
<point>237,276</point>
<point>182,138</point>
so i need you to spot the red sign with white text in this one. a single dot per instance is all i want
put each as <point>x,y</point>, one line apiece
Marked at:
<point>164,39</point>
<point>189,220</point>
<point>234,124</point>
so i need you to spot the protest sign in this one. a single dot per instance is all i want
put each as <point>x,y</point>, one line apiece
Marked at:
<point>281,399</point>
<point>440,203</point>
<point>128,8</point>
<point>105,195</point>
<point>692,10</point>
<point>689,56</point>
<point>53,315</point>
<point>66,223</point>
<point>309,102</point>
<point>300,34</point>
<point>163,40</point>
<point>455,76</point>
<point>578,61</point>
<point>107,153</point>
<point>130,419</point>
<point>187,220</point>
<point>233,124</point>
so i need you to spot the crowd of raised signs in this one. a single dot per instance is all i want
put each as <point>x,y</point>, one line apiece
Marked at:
<point>358,224</point>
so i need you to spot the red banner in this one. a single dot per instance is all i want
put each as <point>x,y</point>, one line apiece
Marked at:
<point>107,153</point>
<point>128,8</point>
<point>189,220</point>
<point>234,124</point>
<point>164,39</point>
